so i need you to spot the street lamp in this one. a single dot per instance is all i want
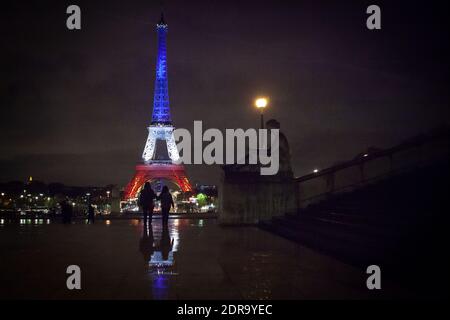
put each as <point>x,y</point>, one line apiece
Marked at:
<point>261,103</point>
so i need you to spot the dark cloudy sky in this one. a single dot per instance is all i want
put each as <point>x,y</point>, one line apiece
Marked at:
<point>75,104</point>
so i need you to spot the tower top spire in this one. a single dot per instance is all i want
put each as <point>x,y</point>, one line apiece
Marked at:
<point>162,22</point>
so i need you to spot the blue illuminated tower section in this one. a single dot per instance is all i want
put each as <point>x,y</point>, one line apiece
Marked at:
<point>161,108</point>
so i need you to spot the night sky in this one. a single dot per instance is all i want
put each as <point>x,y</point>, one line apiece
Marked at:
<point>75,104</point>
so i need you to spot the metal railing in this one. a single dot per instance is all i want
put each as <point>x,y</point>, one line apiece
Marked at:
<point>369,167</point>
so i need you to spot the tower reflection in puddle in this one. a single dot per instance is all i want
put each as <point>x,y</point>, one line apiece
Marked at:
<point>158,244</point>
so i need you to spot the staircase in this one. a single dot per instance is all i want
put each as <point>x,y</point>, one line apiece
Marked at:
<point>399,223</point>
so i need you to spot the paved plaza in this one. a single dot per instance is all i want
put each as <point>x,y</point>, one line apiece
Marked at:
<point>190,259</point>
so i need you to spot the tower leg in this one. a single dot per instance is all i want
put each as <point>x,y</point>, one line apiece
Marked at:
<point>136,183</point>
<point>150,172</point>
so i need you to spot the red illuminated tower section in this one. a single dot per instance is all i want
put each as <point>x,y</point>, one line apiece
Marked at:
<point>160,153</point>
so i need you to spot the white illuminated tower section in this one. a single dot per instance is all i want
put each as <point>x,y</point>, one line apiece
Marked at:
<point>160,153</point>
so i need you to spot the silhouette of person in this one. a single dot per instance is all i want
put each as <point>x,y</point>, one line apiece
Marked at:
<point>91,213</point>
<point>166,203</point>
<point>146,201</point>
<point>66,212</point>
<point>69,213</point>
<point>63,211</point>
<point>146,246</point>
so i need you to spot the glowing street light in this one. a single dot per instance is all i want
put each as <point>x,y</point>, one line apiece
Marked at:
<point>261,104</point>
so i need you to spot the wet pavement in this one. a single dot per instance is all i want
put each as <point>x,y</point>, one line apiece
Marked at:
<point>188,259</point>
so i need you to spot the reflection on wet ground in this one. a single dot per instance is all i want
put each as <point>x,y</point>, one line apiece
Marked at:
<point>158,245</point>
<point>185,259</point>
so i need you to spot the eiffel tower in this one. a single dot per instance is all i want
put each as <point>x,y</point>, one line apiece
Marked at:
<point>160,152</point>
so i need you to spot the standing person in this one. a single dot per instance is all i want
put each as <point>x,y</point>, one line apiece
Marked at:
<point>166,203</point>
<point>146,198</point>
<point>66,212</point>
<point>91,213</point>
<point>69,212</point>
<point>64,205</point>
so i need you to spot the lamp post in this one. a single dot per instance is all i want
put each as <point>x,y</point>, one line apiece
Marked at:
<point>261,103</point>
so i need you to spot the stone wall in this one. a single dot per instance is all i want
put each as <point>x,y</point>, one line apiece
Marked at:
<point>248,198</point>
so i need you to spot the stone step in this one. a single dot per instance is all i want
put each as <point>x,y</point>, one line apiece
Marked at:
<point>369,223</point>
<point>353,252</point>
<point>338,232</point>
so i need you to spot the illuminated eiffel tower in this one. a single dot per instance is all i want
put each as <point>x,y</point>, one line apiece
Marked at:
<point>160,152</point>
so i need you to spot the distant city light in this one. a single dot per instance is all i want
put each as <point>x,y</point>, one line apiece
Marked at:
<point>316,170</point>
<point>3,194</point>
<point>21,195</point>
<point>365,154</point>
<point>41,195</point>
<point>36,197</point>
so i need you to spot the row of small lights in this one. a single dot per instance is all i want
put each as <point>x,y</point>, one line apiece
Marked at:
<point>29,195</point>
<point>29,221</point>
<point>48,198</point>
<point>40,221</point>
<point>41,195</point>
